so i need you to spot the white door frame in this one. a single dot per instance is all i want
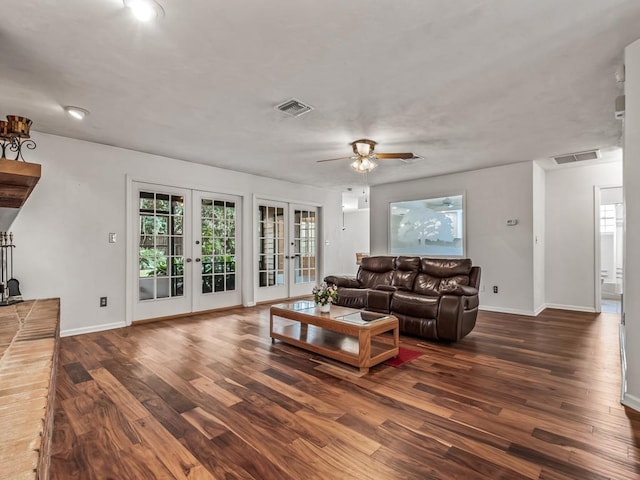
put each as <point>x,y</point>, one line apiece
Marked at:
<point>171,305</point>
<point>131,268</point>
<point>208,301</point>
<point>274,292</point>
<point>597,197</point>
<point>286,204</point>
<point>299,289</point>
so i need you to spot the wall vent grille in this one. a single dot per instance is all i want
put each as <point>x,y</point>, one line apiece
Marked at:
<point>294,107</point>
<point>577,157</point>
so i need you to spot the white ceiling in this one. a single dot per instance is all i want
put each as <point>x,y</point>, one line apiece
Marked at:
<point>465,84</point>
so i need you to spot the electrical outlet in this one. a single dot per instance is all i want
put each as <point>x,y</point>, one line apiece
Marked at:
<point>495,289</point>
<point>103,301</point>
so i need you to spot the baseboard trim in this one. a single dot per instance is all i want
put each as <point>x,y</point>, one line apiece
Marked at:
<point>623,362</point>
<point>626,398</point>
<point>574,308</point>
<point>631,401</point>
<point>539,310</point>
<point>283,300</point>
<point>513,311</point>
<point>185,315</point>
<point>92,329</point>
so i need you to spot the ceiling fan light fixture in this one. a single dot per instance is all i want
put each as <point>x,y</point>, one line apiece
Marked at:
<point>363,160</point>
<point>363,165</point>
<point>363,147</point>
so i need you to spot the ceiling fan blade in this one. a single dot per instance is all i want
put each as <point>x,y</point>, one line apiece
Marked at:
<point>400,156</point>
<point>334,159</point>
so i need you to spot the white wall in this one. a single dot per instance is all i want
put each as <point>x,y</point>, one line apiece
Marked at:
<point>492,196</point>
<point>570,233</point>
<point>354,238</point>
<point>539,241</point>
<point>631,307</point>
<point>62,231</point>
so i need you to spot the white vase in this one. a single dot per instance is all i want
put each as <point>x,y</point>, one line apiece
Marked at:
<point>326,308</point>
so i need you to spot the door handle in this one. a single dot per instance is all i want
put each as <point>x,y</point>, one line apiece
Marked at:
<point>188,260</point>
<point>197,259</point>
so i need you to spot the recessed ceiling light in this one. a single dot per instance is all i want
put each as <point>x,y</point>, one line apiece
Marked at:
<point>76,112</point>
<point>144,10</point>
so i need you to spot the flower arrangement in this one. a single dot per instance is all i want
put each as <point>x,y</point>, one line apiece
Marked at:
<point>324,294</point>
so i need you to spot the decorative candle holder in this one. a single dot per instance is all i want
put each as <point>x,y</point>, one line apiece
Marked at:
<point>19,126</point>
<point>14,135</point>
<point>4,130</point>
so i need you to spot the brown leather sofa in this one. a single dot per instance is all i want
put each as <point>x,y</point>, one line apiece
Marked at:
<point>433,298</point>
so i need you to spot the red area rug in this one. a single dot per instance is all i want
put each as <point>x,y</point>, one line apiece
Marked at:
<point>404,355</point>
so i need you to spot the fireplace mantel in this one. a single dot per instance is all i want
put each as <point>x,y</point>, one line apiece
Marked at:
<point>17,180</point>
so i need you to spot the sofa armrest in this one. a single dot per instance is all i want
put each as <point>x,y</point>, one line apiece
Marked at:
<point>449,321</point>
<point>338,281</point>
<point>379,300</point>
<point>459,290</point>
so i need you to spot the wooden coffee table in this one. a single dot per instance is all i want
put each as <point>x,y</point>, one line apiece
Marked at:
<point>351,336</point>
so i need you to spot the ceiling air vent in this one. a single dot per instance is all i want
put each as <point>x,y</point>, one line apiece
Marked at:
<point>577,157</point>
<point>294,107</point>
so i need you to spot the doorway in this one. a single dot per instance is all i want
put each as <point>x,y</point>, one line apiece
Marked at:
<point>287,250</point>
<point>186,251</point>
<point>609,273</point>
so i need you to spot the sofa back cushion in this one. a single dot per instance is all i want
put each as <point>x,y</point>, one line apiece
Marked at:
<point>407,269</point>
<point>376,271</point>
<point>438,273</point>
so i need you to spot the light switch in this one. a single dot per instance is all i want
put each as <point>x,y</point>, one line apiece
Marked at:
<point>113,237</point>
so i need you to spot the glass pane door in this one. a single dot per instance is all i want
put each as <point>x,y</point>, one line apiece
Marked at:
<point>161,236</point>
<point>161,246</point>
<point>287,250</point>
<point>216,249</point>
<point>271,241</point>
<point>272,250</point>
<point>302,271</point>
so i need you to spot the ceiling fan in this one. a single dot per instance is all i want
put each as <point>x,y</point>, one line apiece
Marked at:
<point>364,158</point>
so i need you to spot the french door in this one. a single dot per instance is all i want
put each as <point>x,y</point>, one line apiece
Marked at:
<point>216,249</point>
<point>287,250</point>
<point>186,251</point>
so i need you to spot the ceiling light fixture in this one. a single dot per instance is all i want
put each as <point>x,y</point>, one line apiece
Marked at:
<point>76,112</point>
<point>363,165</point>
<point>363,147</point>
<point>144,10</point>
<point>364,159</point>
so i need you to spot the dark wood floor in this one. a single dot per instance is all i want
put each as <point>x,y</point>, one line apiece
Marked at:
<point>211,397</point>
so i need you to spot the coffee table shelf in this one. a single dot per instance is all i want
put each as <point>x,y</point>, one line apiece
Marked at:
<point>362,344</point>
